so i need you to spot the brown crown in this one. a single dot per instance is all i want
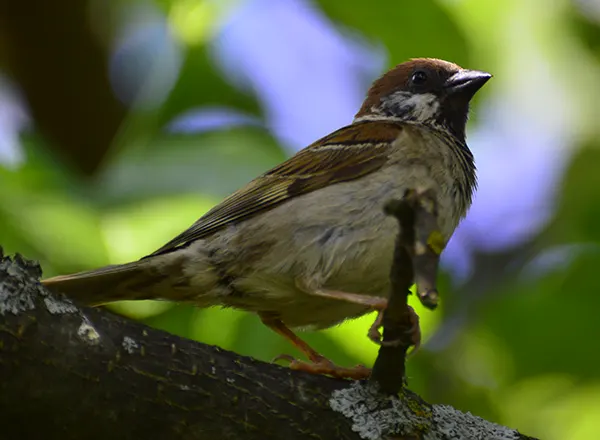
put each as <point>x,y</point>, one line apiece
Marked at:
<point>397,79</point>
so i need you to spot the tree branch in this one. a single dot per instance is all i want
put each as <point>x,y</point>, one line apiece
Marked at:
<point>68,372</point>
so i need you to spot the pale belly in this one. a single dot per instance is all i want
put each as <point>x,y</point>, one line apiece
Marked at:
<point>336,239</point>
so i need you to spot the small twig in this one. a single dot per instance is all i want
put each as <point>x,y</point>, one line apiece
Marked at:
<point>416,256</point>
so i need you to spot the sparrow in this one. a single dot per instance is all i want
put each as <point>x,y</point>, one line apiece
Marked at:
<point>307,244</point>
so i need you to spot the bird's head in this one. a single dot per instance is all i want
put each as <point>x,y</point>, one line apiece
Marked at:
<point>426,91</point>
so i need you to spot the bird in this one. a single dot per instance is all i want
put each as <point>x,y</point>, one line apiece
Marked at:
<point>307,245</point>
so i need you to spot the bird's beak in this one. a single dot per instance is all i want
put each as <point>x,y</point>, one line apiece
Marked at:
<point>466,83</point>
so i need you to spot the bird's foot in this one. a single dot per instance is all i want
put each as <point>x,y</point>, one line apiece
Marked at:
<point>324,366</point>
<point>415,331</point>
<point>318,364</point>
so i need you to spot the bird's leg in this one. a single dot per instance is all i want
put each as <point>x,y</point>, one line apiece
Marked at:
<point>318,364</point>
<point>280,328</point>
<point>375,302</point>
<point>379,304</point>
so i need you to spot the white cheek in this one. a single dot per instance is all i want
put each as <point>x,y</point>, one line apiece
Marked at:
<point>425,106</point>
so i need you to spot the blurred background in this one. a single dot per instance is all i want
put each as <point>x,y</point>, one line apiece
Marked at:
<point>122,122</point>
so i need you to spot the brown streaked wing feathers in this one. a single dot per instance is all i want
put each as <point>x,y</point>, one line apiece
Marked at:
<point>338,157</point>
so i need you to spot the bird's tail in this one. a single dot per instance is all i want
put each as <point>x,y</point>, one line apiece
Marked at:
<point>131,281</point>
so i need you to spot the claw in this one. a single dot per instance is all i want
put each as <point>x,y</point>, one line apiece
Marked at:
<point>283,357</point>
<point>374,334</point>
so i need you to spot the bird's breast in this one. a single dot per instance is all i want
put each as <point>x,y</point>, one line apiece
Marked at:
<point>336,238</point>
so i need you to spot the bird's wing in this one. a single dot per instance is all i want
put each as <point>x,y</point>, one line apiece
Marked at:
<point>346,154</point>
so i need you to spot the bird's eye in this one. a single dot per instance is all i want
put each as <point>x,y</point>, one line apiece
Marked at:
<point>418,78</point>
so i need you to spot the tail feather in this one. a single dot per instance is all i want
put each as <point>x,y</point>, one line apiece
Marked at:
<point>107,284</point>
<point>166,277</point>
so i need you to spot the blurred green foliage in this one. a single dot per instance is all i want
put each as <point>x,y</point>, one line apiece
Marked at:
<point>526,353</point>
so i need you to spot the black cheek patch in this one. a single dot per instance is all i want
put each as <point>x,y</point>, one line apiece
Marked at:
<point>400,109</point>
